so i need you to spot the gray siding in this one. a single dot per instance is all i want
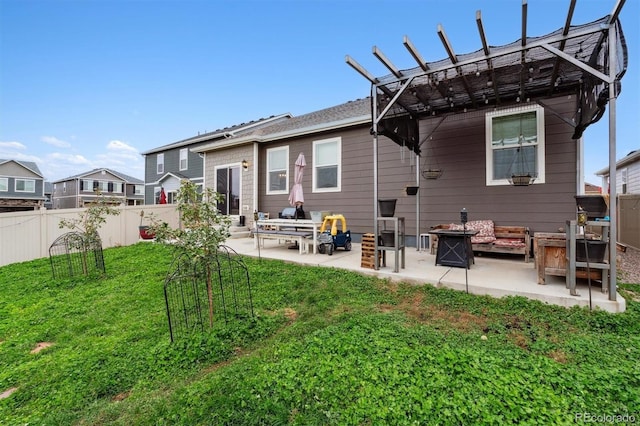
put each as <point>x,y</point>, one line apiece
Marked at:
<point>458,145</point>
<point>194,169</point>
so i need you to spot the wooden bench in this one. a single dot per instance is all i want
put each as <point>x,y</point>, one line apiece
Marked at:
<point>508,239</point>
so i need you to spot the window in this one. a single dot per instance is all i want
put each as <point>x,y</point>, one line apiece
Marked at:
<point>515,144</point>
<point>25,185</point>
<point>86,185</point>
<point>138,189</point>
<point>4,184</point>
<point>327,165</point>
<point>115,187</point>
<point>160,164</point>
<point>184,155</point>
<point>278,170</point>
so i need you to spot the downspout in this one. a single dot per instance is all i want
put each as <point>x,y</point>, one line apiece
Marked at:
<point>254,176</point>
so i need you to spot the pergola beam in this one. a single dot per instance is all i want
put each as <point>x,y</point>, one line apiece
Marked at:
<point>386,62</point>
<point>565,31</point>
<point>360,69</point>
<point>523,52</point>
<point>454,60</point>
<point>414,52</point>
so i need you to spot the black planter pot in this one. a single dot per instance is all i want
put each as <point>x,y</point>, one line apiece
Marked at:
<point>387,207</point>
<point>595,250</point>
<point>594,205</point>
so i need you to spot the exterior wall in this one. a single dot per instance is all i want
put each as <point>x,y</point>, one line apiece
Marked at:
<point>194,169</point>
<point>74,197</point>
<point>459,147</point>
<point>633,179</point>
<point>233,156</point>
<point>65,194</point>
<point>13,199</point>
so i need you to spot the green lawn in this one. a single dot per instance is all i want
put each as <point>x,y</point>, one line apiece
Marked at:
<point>326,347</point>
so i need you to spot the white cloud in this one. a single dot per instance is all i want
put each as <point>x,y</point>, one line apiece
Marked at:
<point>121,147</point>
<point>52,140</point>
<point>8,146</point>
<point>74,159</point>
<point>15,151</point>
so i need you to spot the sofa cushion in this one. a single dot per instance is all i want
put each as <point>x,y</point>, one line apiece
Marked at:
<point>509,242</point>
<point>485,229</point>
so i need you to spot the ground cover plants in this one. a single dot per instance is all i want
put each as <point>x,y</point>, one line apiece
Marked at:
<point>326,346</point>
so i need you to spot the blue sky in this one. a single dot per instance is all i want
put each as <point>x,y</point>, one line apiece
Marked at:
<point>88,84</point>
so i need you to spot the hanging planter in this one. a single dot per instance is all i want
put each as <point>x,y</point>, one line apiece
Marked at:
<point>432,173</point>
<point>412,190</point>
<point>521,180</point>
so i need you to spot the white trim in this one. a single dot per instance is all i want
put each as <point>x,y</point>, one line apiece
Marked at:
<point>234,165</point>
<point>540,144</point>
<point>286,170</point>
<point>160,163</point>
<point>183,152</point>
<point>338,142</point>
<point>15,185</point>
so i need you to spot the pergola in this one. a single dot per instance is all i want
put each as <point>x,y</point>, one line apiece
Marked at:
<point>588,60</point>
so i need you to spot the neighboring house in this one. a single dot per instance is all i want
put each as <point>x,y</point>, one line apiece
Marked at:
<point>627,174</point>
<point>48,194</point>
<point>478,124</point>
<point>83,189</point>
<point>167,165</point>
<point>21,186</point>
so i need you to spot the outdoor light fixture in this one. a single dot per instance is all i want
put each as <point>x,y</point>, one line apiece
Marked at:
<point>245,164</point>
<point>582,216</point>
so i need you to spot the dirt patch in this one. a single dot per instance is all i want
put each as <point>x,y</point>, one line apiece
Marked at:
<point>7,393</point>
<point>415,308</point>
<point>121,396</point>
<point>41,346</point>
<point>290,314</point>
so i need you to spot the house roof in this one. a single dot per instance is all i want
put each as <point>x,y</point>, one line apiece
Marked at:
<point>122,176</point>
<point>630,158</point>
<point>30,165</point>
<point>224,133</point>
<point>572,60</point>
<point>348,114</point>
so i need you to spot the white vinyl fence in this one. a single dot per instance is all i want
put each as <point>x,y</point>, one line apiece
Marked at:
<point>28,235</point>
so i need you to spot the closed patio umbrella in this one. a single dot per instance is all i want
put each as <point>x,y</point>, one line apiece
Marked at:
<point>296,196</point>
<point>163,196</point>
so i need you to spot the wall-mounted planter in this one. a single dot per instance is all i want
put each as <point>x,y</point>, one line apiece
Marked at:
<point>412,190</point>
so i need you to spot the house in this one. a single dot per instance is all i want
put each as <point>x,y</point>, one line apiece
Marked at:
<point>21,186</point>
<point>84,188</point>
<point>627,174</point>
<point>483,120</point>
<point>167,165</point>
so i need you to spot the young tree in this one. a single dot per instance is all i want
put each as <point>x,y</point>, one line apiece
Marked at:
<point>203,229</point>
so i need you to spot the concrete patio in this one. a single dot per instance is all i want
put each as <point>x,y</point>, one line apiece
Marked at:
<point>493,276</point>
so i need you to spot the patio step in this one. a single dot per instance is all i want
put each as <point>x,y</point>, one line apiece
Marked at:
<point>239,232</point>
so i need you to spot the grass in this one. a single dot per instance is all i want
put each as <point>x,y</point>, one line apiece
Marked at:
<point>326,347</point>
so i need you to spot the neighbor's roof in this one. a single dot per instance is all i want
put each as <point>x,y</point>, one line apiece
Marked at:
<point>224,133</point>
<point>122,176</point>
<point>632,157</point>
<point>30,165</point>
